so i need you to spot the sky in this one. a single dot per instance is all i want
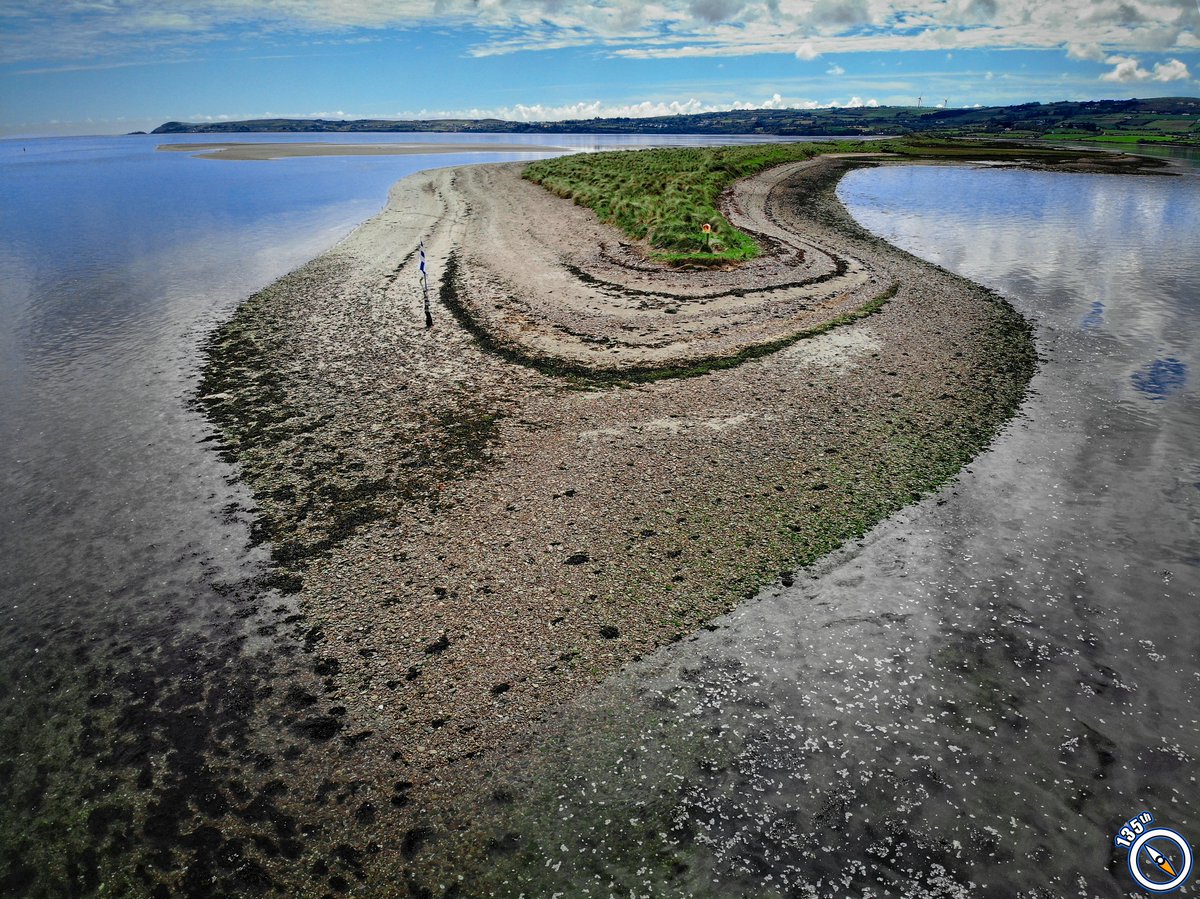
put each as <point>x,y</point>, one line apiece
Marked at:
<point>112,66</point>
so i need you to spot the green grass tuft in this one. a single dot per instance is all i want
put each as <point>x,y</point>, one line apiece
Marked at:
<point>666,196</point>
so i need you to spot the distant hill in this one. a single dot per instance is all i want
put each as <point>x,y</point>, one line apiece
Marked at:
<point>1174,119</point>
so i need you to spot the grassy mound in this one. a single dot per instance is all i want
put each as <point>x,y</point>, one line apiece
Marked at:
<point>666,196</point>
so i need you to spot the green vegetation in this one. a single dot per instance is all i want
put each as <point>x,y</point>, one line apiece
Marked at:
<point>1173,120</point>
<point>1117,138</point>
<point>666,196</point>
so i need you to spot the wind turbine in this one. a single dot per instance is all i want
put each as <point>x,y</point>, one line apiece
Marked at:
<point>919,99</point>
<point>945,102</point>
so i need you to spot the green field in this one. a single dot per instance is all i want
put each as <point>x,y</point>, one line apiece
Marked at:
<point>1114,138</point>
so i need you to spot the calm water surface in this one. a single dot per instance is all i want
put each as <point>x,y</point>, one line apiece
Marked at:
<point>115,260</point>
<point>971,700</point>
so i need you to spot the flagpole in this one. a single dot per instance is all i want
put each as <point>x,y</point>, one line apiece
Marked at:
<point>425,288</point>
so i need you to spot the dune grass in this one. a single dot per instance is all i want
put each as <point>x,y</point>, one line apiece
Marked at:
<point>666,196</point>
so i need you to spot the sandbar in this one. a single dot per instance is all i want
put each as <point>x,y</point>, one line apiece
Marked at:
<point>588,455</point>
<point>245,150</point>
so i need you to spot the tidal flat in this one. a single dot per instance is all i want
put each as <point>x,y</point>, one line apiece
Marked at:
<point>485,518</point>
<point>242,151</point>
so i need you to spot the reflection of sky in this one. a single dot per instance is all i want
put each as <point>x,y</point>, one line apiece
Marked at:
<point>115,259</point>
<point>99,231</point>
<point>1160,378</point>
<point>1134,236</point>
<point>1095,316</point>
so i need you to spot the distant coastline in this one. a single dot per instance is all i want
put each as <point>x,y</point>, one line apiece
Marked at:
<point>264,151</point>
<point>1172,120</point>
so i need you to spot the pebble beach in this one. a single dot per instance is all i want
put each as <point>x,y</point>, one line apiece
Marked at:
<point>484,518</point>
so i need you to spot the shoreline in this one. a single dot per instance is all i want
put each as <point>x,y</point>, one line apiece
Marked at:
<point>243,151</point>
<point>476,540</point>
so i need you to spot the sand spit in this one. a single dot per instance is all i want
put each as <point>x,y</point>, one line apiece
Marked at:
<point>560,289</point>
<point>477,537</point>
<point>243,150</point>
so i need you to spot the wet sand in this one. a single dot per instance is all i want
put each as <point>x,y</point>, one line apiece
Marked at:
<point>486,518</point>
<point>241,150</point>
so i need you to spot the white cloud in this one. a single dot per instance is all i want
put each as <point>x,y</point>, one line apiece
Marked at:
<point>591,109</point>
<point>546,112</point>
<point>835,69</point>
<point>82,30</point>
<point>1127,69</point>
<point>1091,52</point>
<point>94,67</point>
<point>1171,70</point>
<point>714,10</point>
<point>832,15</point>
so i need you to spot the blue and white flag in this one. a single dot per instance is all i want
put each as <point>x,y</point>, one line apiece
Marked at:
<point>425,288</point>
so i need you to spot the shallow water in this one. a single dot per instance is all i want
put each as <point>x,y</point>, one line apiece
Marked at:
<point>116,261</point>
<point>135,607</point>
<point>142,642</point>
<point>974,698</point>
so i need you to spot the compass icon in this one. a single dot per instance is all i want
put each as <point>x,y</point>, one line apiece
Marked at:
<point>1160,860</point>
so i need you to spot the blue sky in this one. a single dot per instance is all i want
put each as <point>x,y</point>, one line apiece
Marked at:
<point>109,66</point>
